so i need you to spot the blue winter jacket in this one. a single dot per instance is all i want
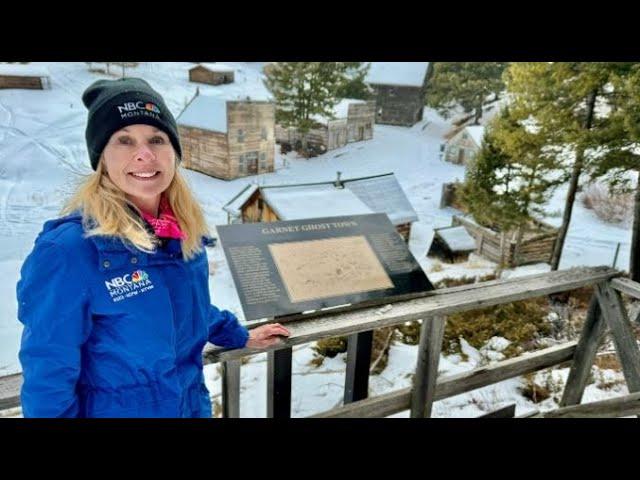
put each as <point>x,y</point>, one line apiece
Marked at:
<point>111,331</point>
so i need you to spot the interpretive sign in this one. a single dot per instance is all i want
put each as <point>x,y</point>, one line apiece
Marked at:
<point>281,268</point>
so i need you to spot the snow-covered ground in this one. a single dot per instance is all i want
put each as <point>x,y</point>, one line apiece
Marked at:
<point>43,156</point>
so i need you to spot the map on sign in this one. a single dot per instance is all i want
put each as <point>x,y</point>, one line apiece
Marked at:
<point>317,269</point>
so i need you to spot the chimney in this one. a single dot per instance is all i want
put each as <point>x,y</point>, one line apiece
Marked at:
<point>338,183</point>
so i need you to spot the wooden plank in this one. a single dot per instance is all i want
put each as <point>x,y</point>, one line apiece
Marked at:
<point>593,331</point>
<point>10,391</point>
<point>505,412</point>
<point>231,388</point>
<point>394,402</point>
<point>625,406</point>
<point>431,334</point>
<point>356,383</point>
<point>279,383</point>
<point>438,302</point>
<point>615,314</point>
<point>626,286</point>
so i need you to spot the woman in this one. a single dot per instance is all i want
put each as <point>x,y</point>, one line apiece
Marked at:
<point>114,297</point>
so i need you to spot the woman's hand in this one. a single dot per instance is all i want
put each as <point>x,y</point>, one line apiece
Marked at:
<point>266,335</point>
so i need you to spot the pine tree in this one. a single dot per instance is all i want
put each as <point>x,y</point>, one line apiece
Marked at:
<point>618,147</point>
<point>355,87</point>
<point>304,90</point>
<point>567,102</point>
<point>466,84</point>
<point>510,180</point>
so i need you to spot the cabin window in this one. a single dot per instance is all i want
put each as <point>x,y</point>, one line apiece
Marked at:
<point>368,125</point>
<point>240,135</point>
<point>264,133</point>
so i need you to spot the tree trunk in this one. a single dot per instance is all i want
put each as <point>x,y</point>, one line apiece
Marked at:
<point>573,187</point>
<point>634,267</point>
<point>304,141</point>
<point>516,251</point>
<point>478,114</point>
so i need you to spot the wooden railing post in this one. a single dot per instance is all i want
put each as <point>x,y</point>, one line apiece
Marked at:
<point>356,383</point>
<point>279,383</point>
<point>591,337</point>
<point>231,388</point>
<point>424,383</point>
<point>624,338</point>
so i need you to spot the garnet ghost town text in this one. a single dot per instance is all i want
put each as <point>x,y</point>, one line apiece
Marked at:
<point>308,228</point>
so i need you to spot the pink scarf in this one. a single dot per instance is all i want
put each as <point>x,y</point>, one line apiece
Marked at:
<point>166,225</point>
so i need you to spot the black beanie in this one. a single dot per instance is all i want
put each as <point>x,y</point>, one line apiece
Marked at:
<point>115,104</point>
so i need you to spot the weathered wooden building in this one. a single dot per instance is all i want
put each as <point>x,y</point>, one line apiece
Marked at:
<point>464,145</point>
<point>212,73</point>
<point>399,91</point>
<point>353,122</point>
<point>535,245</point>
<point>227,138</point>
<point>452,243</point>
<point>356,196</point>
<point>24,76</point>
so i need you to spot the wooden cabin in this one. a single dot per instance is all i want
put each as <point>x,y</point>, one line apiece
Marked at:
<point>227,139</point>
<point>212,74</point>
<point>24,77</point>
<point>462,147</point>
<point>399,89</point>
<point>353,122</point>
<point>356,196</point>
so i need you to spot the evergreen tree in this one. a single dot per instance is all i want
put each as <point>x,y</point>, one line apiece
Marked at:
<point>355,86</point>
<point>618,148</point>
<point>510,180</point>
<point>568,103</point>
<point>304,90</point>
<point>466,84</point>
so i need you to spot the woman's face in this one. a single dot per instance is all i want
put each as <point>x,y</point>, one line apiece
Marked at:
<point>140,160</point>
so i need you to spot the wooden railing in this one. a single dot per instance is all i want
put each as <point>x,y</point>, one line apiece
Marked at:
<point>606,311</point>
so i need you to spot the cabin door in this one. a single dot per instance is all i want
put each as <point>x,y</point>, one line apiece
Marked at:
<point>251,160</point>
<point>360,133</point>
<point>461,156</point>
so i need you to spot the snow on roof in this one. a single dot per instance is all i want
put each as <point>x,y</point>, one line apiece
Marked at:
<point>457,238</point>
<point>23,70</point>
<point>340,110</point>
<point>234,205</point>
<point>380,194</point>
<point>477,133</point>
<point>397,73</point>
<point>217,67</point>
<point>205,112</point>
<point>383,194</point>
<point>316,201</point>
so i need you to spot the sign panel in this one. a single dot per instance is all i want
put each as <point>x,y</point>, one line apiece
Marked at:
<point>281,268</point>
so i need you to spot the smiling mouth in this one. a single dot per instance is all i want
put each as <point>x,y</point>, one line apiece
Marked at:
<point>144,175</point>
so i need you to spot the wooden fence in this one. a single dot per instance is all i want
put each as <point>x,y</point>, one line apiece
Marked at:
<point>606,313</point>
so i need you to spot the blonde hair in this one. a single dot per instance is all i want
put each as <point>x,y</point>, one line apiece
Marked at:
<point>105,211</point>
